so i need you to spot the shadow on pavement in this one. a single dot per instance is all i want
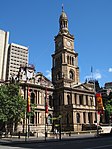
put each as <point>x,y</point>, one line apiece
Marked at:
<point>42,143</point>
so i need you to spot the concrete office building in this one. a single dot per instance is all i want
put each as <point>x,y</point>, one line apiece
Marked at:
<point>17,56</point>
<point>4,37</point>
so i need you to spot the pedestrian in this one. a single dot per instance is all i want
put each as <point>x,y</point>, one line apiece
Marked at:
<point>56,133</point>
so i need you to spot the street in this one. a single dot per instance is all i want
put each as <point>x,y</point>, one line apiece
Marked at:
<point>92,143</point>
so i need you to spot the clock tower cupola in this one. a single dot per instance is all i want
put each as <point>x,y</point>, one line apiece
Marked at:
<point>63,22</point>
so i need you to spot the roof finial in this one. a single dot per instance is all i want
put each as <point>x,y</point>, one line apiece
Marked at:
<point>62,8</point>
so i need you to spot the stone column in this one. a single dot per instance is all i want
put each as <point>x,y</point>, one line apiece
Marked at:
<point>77,99</point>
<point>37,97</point>
<point>81,118</point>
<point>84,99</point>
<point>65,98</point>
<point>94,117</point>
<point>74,117</point>
<point>40,97</point>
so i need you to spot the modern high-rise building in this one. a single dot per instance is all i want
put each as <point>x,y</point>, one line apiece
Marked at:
<point>4,37</point>
<point>17,56</point>
<point>12,56</point>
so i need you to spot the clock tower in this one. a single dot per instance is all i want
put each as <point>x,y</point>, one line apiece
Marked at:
<point>74,102</point>
<point>65,68</point>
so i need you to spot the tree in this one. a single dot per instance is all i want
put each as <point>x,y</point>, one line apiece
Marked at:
<point>12,105</point>
<point>108,107</point>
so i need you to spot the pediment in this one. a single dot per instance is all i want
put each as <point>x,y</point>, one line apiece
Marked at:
<point>42,80</point>
<point>83,87</point>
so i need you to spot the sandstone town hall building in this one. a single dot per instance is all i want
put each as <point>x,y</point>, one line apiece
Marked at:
<point>73,100</point>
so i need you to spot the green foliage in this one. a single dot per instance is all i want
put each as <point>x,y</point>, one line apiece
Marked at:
<point>12,105</point>
<point>108,107</point>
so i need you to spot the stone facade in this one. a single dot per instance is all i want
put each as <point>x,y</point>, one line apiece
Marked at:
<point>73,100</point>
<point>70,103</point>
<point>37,84</point>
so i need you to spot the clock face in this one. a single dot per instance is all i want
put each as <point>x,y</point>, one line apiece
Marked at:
<point>68,43</point>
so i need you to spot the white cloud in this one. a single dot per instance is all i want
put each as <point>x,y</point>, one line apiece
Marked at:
<point>96,75</point>
<point>48,74</point>
<point>110,70</point>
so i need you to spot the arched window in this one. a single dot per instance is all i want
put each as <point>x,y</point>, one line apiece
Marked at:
<point>71,75</point>
<point>78,117</point>
<point>32,98</point>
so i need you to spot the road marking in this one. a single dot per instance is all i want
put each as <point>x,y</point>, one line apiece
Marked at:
<point>99,147</point>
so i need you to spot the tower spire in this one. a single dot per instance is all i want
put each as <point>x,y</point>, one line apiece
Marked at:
<point>63,22</point>
<point>62,8</point>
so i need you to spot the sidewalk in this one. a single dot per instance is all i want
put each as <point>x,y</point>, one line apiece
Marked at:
<point>16,140</point>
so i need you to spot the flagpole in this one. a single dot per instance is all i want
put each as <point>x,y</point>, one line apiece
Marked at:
<point>96,108</point>
<point>95,100</point>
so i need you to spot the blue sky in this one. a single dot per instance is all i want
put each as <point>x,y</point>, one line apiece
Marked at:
<point>34,23</point>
